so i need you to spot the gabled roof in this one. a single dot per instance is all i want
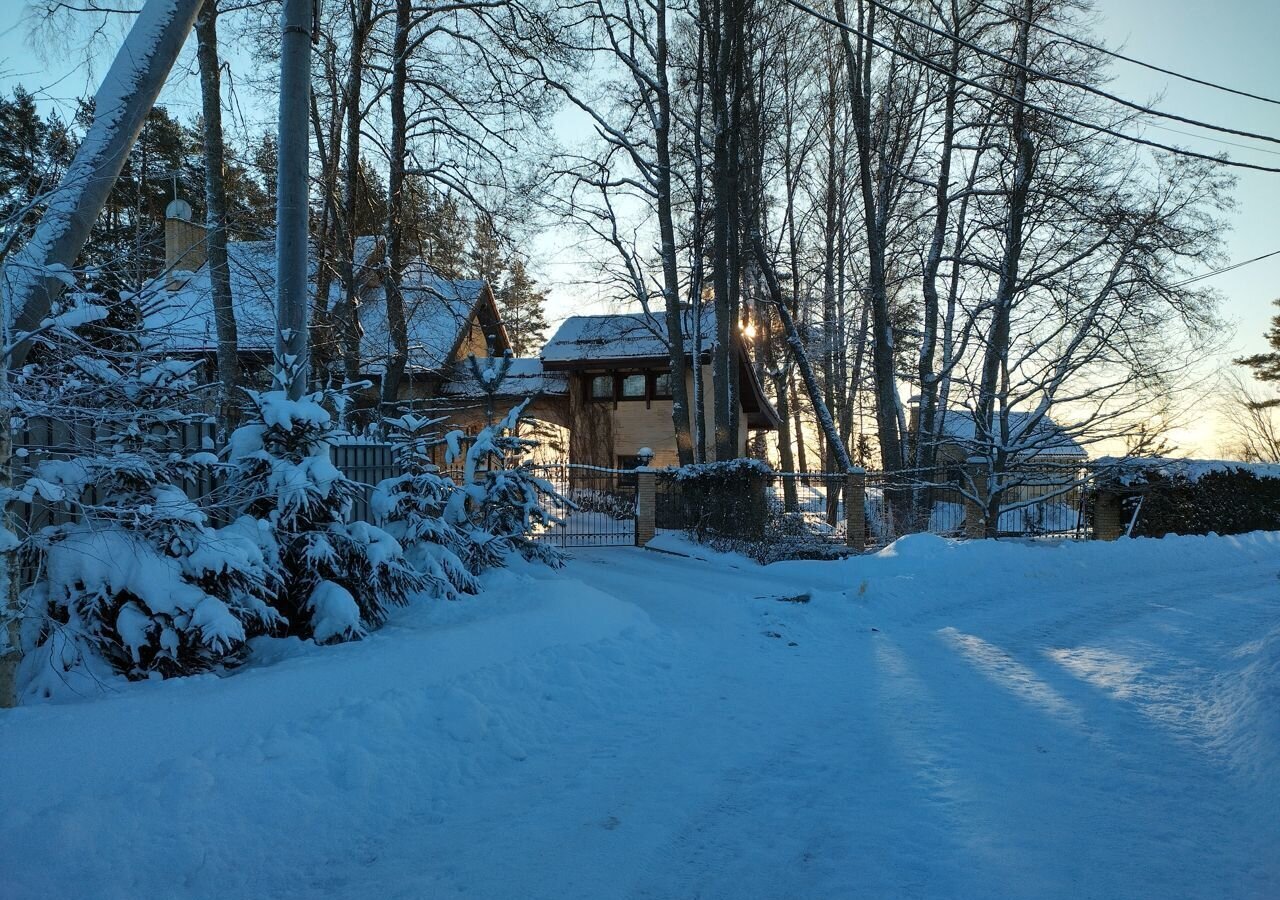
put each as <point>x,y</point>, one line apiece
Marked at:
<point>619,339</point>
<point>1047,438</point>
<point>525,378</point>
<point>437,309</point>
<point>622,336</point>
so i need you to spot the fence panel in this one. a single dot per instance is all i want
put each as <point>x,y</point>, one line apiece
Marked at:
<point>605,501</point>
<point>809,505</point>
<point>366,463</point>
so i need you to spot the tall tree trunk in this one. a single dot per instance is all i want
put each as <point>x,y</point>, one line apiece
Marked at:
<point>996,354</point>
<point>215,196</point>
<point>825,421</point>
<point>351,190</point>
<point>396,323</point>
<point>858,73</point>
<point>27,289</point>
<point>667,233</point>
<point>292,197</point>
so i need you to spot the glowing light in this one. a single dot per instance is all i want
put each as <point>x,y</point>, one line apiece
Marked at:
<point>749,330</point>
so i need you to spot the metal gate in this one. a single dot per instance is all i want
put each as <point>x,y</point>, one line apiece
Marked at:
<point>605,501</point>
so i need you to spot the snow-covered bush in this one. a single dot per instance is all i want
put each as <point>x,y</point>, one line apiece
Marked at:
<point>138,582</point>
<point>336,579</point>
<point>503,500</point>
<point>414,508</point>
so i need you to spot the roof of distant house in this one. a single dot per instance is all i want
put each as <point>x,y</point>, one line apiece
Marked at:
<point>525,378</point>
<point>618,336</point>
<point>437,309</point>
<point>1047,438</point>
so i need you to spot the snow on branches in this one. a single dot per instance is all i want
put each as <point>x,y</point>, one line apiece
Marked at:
<point>337,579</point>
<point>504,498</point>
<point>414,508</point>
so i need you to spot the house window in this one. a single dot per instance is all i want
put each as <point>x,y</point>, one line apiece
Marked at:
<point>631,387</point>
<point>602,387</point>
<point>661,386</point>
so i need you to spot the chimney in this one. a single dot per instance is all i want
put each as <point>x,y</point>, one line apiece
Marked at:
<point>184,241</point>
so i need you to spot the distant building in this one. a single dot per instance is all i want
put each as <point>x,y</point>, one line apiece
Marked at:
<point>605,379</point>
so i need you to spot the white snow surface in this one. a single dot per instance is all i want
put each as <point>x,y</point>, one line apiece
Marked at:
<point>940,720</point>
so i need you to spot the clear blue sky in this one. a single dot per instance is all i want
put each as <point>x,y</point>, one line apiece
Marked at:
<point>1232,42</point>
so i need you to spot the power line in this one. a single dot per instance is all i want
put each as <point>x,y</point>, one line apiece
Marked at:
<point>1226,269</point>
<point>1129,59</point>
<point>1204,137</point>
<point>1071,82</point>
<point>1101,129</point>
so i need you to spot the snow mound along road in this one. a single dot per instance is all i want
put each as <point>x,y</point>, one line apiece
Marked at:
<point>943,720</point>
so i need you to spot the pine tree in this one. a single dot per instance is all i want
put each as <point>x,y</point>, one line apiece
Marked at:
<point>1266,366</point>
<point>487,260</point>
<point>140,583</point>
<point>506,506</point>
<point>523,309</point>
<point>337,580</point>
<point>415,508</point>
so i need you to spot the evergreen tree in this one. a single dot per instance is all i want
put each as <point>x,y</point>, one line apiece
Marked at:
<point>487,261</point>
<point>523,309</point>
<point>1266,366</point>
<point>337,580</point>
<point>140,583</point>
<point>415,509</point>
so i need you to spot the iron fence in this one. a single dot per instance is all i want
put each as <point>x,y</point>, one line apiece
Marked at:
<point>603,511</point>
<point>808,504</point>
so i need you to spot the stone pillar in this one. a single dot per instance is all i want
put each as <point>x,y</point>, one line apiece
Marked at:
<point>646,503</point>
<point>1107,525</point>
<point>855,510</point>
<point>975,516</point>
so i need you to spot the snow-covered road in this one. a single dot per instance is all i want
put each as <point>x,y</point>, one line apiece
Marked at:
<point>940,721</point>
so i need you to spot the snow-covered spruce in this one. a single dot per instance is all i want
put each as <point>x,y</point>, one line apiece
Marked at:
<point>336,579</point>
<point>139,583</point>
<point>414,508</point>
<point>502,499</point>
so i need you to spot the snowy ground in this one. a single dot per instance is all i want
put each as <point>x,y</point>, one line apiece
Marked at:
<point>940,721</point>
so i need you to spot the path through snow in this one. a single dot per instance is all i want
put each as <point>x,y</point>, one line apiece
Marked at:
<point>939,721</point>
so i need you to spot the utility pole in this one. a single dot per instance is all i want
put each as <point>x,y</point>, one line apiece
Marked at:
<point>299,22</point>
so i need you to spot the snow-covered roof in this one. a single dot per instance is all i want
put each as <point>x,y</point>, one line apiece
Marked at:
<point>1047,438</point>
<point>525,378</point>
<point>623,336</point>
<point>436,309</point>
<point>436,312</point>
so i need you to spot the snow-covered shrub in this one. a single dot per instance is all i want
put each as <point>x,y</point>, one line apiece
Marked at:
<point>336,579</point>
<point>1163,496</point>
<point>414,508</point>
<point>726,499</point>
<point>138,581</point>
<point>503,500</point>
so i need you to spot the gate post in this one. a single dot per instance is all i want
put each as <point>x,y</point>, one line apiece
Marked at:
<point>855,510</point>
<point>1106,516</point>
<point>646,501</point>
<point>975,516</point>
